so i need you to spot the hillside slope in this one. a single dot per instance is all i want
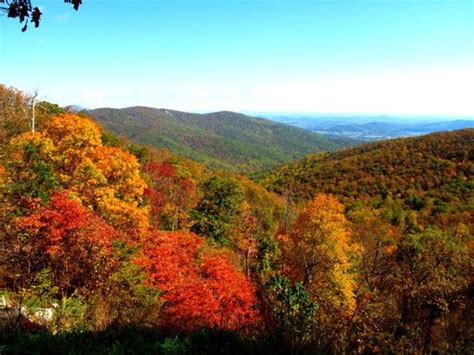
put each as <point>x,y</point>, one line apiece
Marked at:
<point>226,140</point>
<point>432,174</point>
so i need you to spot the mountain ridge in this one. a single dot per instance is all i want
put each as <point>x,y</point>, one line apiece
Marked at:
<point>224,139</point>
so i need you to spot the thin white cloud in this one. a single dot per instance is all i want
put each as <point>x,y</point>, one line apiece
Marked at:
<point>63,17</point>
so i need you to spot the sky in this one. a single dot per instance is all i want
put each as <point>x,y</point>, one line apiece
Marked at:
<point>339,56</point>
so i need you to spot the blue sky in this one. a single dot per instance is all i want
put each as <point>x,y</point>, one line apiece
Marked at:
<point>341,56</point>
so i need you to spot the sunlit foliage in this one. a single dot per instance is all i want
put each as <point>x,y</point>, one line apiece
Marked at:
<point>199,289</point>
<point>69,153</point>
<point>318,252</point>
<point>366,250</point>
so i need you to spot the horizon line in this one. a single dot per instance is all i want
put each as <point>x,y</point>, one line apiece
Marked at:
<point>304,113</point>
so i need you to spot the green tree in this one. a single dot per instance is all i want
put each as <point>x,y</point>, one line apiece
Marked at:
<point>292,311</point>
<point>216,214</point>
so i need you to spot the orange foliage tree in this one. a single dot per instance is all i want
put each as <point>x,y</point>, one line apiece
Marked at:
<point>105,179</point>
<point>199,289</point>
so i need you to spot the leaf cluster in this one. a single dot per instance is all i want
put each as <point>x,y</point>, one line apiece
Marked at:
<point>25,12</point>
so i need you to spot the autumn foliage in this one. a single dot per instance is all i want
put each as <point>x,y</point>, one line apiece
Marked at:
<point>354,256</point>
<point>199,289</point>
<point>318,249</point>
<point>70,240</point>
<point>105,179</point>
<point>171,196</point>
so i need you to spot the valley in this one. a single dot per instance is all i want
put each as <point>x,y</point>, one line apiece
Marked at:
<point>371,127</point>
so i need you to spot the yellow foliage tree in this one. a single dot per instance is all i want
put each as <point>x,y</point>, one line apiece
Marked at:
<point>105,179</point>
<point>318,251</point>
<point>119,199</point>
<point>75,138</point>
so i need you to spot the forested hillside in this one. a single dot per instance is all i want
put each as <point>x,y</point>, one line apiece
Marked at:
<point>112,247</point>
<point>430,176</point>
<point>225,140</point>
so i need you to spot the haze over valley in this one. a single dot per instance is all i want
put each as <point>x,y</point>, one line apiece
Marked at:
<point>371,127</point>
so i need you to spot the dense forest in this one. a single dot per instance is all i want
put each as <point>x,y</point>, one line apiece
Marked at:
<point>221,140</point>
<point>112,247</point>
<point>417,181</point>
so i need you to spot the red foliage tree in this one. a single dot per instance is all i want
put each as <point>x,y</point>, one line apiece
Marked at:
<point>74,243</point>
<point>199,290</point>
<point>171,196</point>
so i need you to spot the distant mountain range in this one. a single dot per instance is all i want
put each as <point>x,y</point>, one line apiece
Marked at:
<point>75,108</point>
<point>225,140</point>
<point>371,128</point>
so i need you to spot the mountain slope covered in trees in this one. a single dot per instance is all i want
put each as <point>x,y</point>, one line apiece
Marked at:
<point>431,175</point>
<point>225,140</point>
